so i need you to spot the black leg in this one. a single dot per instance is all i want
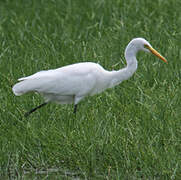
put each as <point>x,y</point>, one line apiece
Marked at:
<point>75,108</point>
<point>34,109</point>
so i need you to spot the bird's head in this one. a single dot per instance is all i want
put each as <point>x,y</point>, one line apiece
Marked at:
<point>142,44</point>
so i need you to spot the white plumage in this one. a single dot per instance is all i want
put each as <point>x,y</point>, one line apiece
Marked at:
<point>70,84</point>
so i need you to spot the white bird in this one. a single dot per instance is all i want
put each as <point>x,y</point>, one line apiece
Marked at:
<point>72,83</point>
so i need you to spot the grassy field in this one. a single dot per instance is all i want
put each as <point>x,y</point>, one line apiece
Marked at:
<point>130,132</point>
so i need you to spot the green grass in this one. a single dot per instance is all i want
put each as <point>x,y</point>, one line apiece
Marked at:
<point>130,132</point>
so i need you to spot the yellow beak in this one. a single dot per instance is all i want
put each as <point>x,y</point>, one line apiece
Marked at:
<point>153,51</point>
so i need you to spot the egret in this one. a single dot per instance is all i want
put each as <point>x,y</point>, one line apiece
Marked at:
<point>72,83</point>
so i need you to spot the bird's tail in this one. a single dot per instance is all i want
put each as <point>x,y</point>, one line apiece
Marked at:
<point>31,83</point>
<point>23,87</point>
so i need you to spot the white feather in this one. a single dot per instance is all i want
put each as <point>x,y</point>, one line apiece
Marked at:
<point>70,84</point>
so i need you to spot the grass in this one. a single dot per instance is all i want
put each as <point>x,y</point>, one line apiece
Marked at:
<point>130,132</point>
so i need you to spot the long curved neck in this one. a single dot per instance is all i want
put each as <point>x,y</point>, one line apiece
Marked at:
<point>123,74</point>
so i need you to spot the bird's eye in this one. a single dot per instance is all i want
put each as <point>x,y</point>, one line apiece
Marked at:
<point>146,46</point>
